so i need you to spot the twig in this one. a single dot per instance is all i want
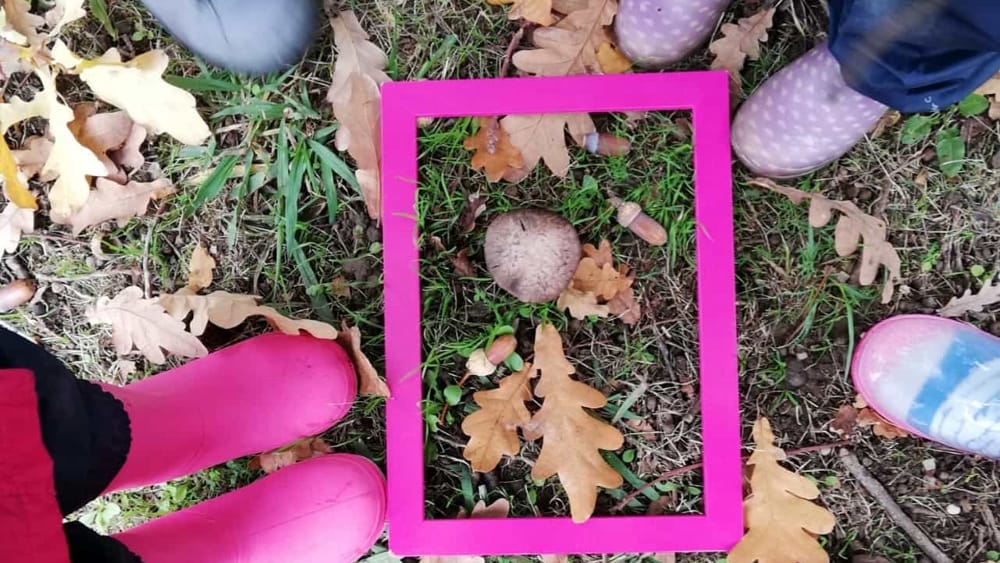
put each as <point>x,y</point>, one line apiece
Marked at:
<point>695,466</point>
<point>146,285</point>
<point>104,274</point>
<point>514,42</point>
<point>871,484</point>
<point>991,522</point>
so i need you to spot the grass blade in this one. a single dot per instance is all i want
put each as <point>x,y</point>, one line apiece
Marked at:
<point>332,201</point>
<point>335,163</point>
<point>201,84</point>
<point>213,185</point>
<point>100,10</point>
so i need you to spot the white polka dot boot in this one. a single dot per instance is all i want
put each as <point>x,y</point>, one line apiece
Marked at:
<point>655,33</point>
<point>802,118</point>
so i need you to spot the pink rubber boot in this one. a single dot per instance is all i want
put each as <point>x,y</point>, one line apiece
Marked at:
<point>802,118</point>
<point>326,510</point>
<point>258,395</point>
<point>655,33</point>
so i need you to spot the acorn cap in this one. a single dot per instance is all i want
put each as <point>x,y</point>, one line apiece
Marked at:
<point>532,254</point>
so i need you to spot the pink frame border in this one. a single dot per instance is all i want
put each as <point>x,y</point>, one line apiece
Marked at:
<point>706,94</point>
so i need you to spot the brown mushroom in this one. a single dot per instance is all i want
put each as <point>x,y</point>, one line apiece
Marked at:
<point>532,253</point>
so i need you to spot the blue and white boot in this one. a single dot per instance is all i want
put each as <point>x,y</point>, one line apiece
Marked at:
<point>936,378</point>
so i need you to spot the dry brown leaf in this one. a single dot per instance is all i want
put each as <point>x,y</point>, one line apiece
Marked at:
<point>535,11</point>
<point>15,294</point>
<point>143,324</point>
<point>306,448</point>
<point>740,41</point>
<point>17,17</point>
<point>988,295</point>
<point>340,287</point>
<point>570,47</point>
<point>130,155</point>
<point>356,99</point>
<point>102,134</point>
<point>645,429</point>
<point>782,522</point>
<point>992,88</point>
<point>853,227</point>
<point>200,269</point>
<point>601,255</point>
<point>492,430</point>
<point>611,60</point>
<point>499,509</point>
<point>370,382</point>
<point>111,201</point>
<point>581,304</point>
<point>494,152</point>
<point>474,207</point>
<point>880,426</point>
<point>845,421</point>
<point>462,263</point>
<point>572,437</point>
<point>624,306</point>
<point>31,160</point>
<point>604,282</point>
<point>14,222</point>
<point>543,137</point>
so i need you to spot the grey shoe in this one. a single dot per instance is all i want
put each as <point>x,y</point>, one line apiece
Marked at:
<point>250,36</point>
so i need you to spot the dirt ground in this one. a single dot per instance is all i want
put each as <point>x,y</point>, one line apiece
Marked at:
<point>800,308</point>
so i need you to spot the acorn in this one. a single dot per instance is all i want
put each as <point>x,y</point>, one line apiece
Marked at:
<point>606,144</point>
<point>501,349</point>
<point>632,217</point>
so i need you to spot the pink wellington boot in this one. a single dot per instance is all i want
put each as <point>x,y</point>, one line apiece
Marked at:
<point>802,118</point>
<point>329,509</point>
<point>258,395</point>
<point>655,33</point>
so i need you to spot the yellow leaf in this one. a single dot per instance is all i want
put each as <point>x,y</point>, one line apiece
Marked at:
<point>535,11</point>
<point>13,186</point>
<point>612,60</point>
<point>781,520</point>
<point>138,88</point>
<point>572,437</point>
<point>200,269</point>
<point>143,324</point>
<point>492,430</point>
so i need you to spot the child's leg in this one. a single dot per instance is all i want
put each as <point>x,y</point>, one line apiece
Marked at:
<point>258,395</point>
<point>326,510</point>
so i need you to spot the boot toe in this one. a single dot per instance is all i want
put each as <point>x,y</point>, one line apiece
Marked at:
<point>655,33</point>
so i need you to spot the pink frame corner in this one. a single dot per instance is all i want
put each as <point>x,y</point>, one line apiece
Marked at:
<point>706,94</point>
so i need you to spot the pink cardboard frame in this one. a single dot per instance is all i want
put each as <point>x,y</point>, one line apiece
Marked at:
<point>706,94</point>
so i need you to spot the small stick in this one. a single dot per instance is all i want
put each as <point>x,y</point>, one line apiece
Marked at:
<point>872,485</point>
<point>695,466</point>
<point>514,42</point>
<point>991,522</point>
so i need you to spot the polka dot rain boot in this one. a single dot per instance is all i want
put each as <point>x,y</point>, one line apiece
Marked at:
<point>654,33</point>
<point>935,377</point>
<point>802,118</point>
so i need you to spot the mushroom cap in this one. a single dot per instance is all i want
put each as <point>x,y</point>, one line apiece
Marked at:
<point>532,253</point>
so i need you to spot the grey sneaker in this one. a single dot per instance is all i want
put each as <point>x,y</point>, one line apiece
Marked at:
<point>250,36</point>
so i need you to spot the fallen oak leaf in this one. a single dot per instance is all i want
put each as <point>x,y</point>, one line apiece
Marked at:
<point>200,269</point>
<point>494,152</point>
<point>782,523</point>
<point>740,41</point>
<point>138,88</point>
<point>572,437</point>
<point>624,306</point>
<point>542,137</point>
<point>111,201</point>
<point>571,46</point>
<point>301,450</point>
<point>31,160</point>
<point>17,17</point>
<point>991,88</point>
<point>492,430</point>
<point>102,133</point>
<point>581,304</point>
<point>612,60</point>
<point>601,254</point>
<point>968,302</point>
<point>853,227</point>
<point>370,382</point>
<point>15,189</point>
<point>130,155</point>
<point>144,325</point>
<point>535,11</point>
<point>605,282</point>
<point>355,55</point>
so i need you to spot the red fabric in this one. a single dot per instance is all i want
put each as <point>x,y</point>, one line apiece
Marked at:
<point>30,521</point>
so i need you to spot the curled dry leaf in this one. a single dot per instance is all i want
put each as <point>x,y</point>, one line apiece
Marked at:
<point>581,304</point>
<point>535,11</point>
<point>370,382</point>
<point>102,133</point>
<point>991,89</point>
<point>499,509</point>
<point>15,294</point>
<point>611,60</point>
<point>880,426</point>
<point>304,449</point>
<point>492,430</point>
<point>200,269</point>
<point>845,421</point>
<point>474,207</point>
<point>597,288</point>
<point>853,228</point>
<point>988,295</point>
<point>115,202</point>
<point>782,522</point>
<point>740,41</point>
<point>143,324</point>
<point>572,437</point>
<point>354,93</point>
<point>495,154</point>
